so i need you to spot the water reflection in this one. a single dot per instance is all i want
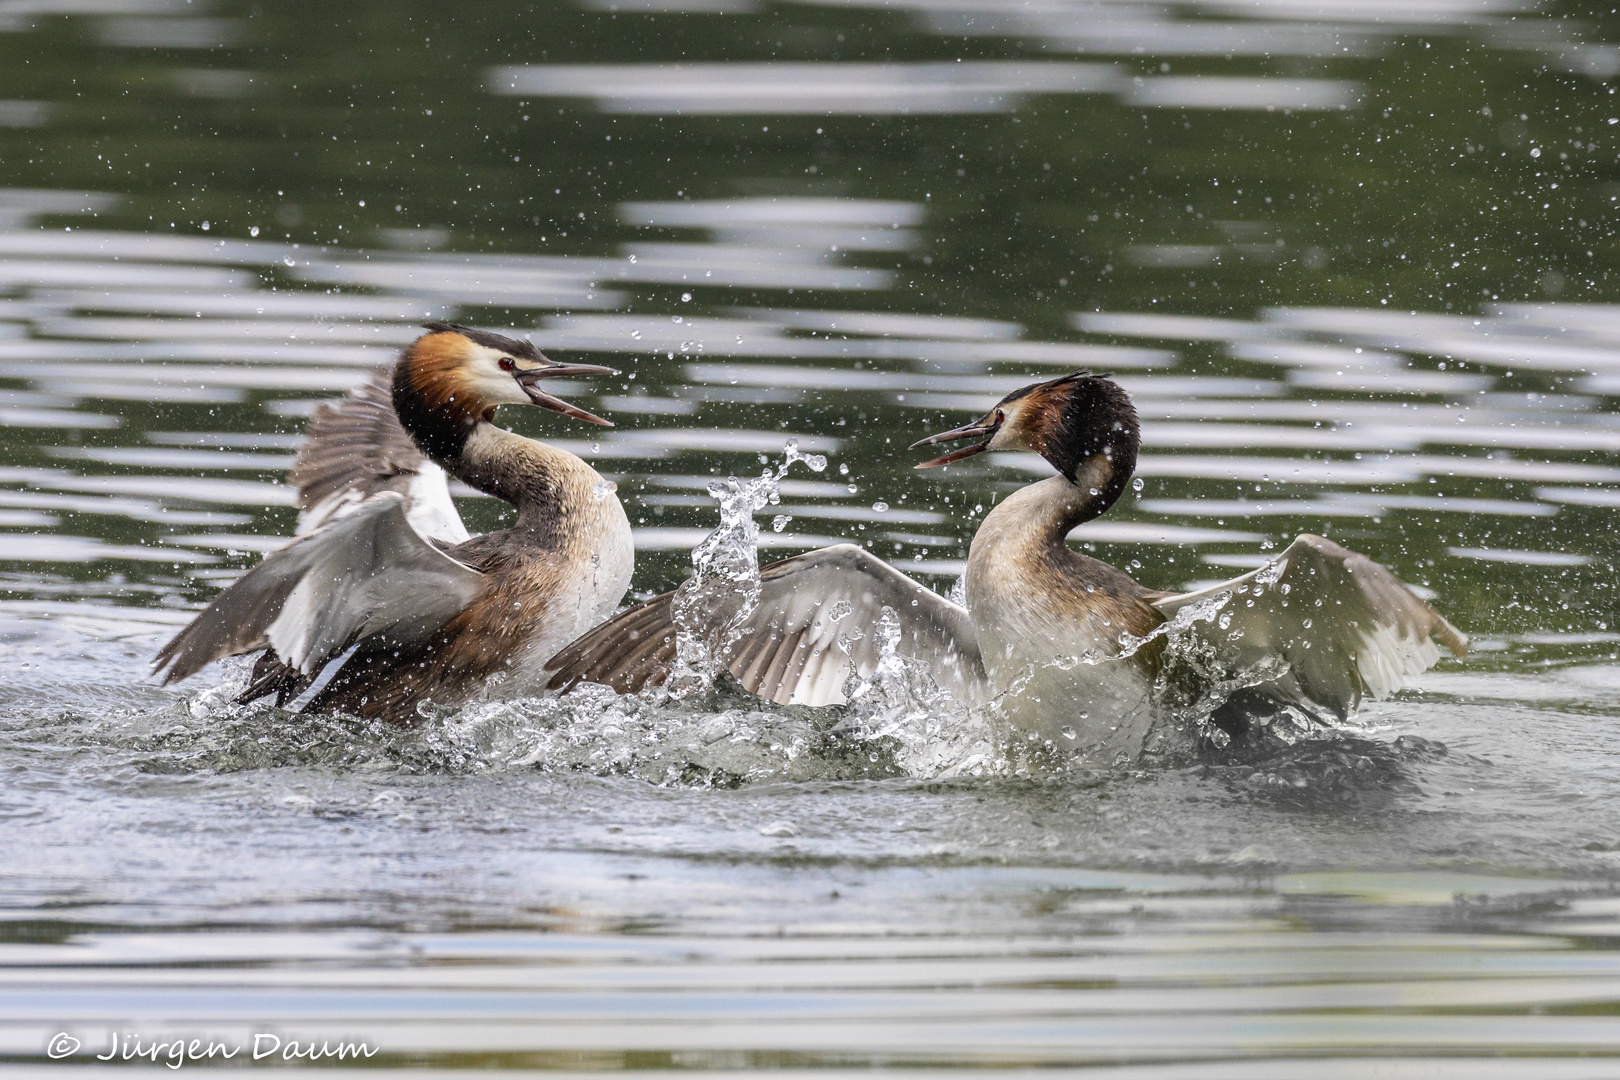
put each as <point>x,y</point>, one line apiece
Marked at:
<point>1354,262</point>
<point>1435,378</point>
<point>786,88</point>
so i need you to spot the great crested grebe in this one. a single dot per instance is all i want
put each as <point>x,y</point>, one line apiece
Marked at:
<point>1053,637</point>
<point>384,565</point>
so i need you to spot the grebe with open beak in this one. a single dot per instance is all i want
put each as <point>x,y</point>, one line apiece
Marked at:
<point>1052,636</point>
<point>384,570</point>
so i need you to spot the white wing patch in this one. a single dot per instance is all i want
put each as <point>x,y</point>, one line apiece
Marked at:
<point>428,507</point>
<point>355,448</point>
<point>379,576</point>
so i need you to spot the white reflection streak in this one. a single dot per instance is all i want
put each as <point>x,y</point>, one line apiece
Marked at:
<point>24,114</point>
<point>1406,13</point>
<point>1171,327</point>
<point>158,329</point>
<point>783,210</point>
<point>1522,558</point>
<point>247,304</point>
<point>143,457</point>
<point>56,547</point>
<point>1241,92</point>
<point>889,324</point>
<point>805,88</point>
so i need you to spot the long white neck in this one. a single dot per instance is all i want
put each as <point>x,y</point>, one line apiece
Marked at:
<point>1038,607</point>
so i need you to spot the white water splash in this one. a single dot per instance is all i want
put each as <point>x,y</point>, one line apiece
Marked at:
<point>1193,678</point>
<point>909,717</point>
<point>713,605</point>
<point>899,721</point>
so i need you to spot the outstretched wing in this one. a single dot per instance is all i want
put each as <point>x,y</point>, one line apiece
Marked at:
<point>1344,624</point>
<point>355,448</point>
<point>369,572</point>
<point>790,650</point>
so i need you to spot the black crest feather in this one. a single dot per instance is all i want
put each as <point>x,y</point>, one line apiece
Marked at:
<point>1077,416</point>
<point>510,346</point>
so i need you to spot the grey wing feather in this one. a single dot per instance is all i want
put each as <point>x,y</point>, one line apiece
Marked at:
<point>367,573</point>
<point>355,448</point>
<point>791,651</point>
<point>1344,624</point>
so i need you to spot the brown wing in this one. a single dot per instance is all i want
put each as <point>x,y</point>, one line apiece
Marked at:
<point>629,652</point>
<point>817,620</point>
<point>355,448</point>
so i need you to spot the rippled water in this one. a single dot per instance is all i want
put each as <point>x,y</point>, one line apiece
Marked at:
<point>1355,264</point>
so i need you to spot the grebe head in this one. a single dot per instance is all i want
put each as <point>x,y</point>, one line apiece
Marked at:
<point>1082,423</point>
<point>453,378</point>
<point>472,372</point>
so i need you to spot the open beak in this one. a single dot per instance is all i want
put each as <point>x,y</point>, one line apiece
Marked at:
<point>986,427</point>
<point>530,379</point>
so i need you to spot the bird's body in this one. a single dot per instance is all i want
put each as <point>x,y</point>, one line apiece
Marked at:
<point>1037,604</point>
<point>1065,649</point>
<point>558,572</point>
<point>385,567</point>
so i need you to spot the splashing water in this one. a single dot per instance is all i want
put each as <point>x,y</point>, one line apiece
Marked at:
<point>904,714</point>
<point>701,730</point>
<point>694,731</point>
<point>713,605</point>
<point>1193,679</point>
<point>898,718</point>
<point>720,741</point>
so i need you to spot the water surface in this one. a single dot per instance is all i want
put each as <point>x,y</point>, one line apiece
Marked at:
<point>1354,263</point>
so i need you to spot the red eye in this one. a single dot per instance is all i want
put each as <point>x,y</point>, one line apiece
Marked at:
<point>507,363</point>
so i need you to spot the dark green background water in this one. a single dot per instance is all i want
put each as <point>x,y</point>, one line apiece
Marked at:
<point>326,128</point>
<point>308,112</point>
